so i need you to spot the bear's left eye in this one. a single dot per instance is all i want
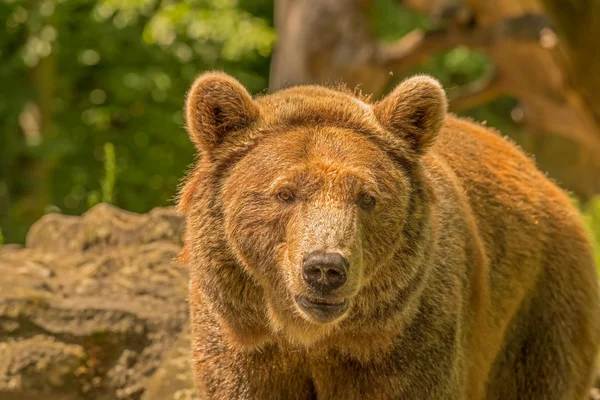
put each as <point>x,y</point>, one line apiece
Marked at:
<point>285,195</point>
<point>367,201</point>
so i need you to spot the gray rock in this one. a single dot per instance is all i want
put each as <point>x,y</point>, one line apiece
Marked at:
<point>92,306</point>
<point>173,379</point>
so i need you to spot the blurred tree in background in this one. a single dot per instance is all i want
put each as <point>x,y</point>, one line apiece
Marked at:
<point>93,90</point>
<point>78,74</point>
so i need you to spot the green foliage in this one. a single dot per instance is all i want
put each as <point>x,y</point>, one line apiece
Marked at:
<point>1,237</point>
<point>110,173</point>
<point>591,213</point>
<point>390,20</point>
<point>458,67</point>
<point>108,71</point>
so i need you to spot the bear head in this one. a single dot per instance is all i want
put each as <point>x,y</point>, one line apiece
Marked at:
<point>307,210</point>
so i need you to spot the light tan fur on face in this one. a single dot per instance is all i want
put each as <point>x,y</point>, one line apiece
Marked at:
<point>470,277</point>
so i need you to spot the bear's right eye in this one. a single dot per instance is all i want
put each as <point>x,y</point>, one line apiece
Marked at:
<point>285,195</point>
<point>367,201</point>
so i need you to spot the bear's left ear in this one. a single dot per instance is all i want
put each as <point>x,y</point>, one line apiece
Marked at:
<point>216,105</point>
<point>415,110</point>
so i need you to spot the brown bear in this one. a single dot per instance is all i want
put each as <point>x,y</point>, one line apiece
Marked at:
<point>344,249</point>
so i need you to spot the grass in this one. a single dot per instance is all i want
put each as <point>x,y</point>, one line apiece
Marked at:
<point>107,193</point>
<point>110,173</point>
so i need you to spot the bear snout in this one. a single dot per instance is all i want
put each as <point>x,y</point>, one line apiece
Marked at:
<point>324,271</point>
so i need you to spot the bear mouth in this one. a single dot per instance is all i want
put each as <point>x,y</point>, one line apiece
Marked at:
<point>322,310</point>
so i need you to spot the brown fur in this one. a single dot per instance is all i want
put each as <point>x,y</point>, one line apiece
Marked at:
<point>470,278</point>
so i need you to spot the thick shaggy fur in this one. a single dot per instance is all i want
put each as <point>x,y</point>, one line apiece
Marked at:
<point>470,277</point>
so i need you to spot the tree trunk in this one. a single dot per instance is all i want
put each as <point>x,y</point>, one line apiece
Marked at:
<point>325,42</point>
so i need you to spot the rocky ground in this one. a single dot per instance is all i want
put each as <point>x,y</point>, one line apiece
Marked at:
<point>93,308</point>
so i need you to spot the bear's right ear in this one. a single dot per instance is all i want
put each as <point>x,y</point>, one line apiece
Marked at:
<point>415,110</point>
<point>217,104</point>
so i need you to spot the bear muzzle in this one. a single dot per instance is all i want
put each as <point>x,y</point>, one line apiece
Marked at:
<point>323,272</point>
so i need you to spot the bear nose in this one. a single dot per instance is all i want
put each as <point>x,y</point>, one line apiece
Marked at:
<point>324,271</point>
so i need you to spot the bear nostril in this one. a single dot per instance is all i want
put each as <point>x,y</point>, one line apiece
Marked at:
<point>313,273</point>
<point>333,273</point>
<point>324,271</point>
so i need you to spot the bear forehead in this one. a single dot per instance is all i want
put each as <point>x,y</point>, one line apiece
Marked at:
<point>315,105</point>
<point>324,144</point>
<point>325,154</point>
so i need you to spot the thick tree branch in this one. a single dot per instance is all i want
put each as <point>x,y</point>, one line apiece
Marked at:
<point>414,48</point>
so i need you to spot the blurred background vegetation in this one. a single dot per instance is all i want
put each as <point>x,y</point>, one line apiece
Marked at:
<point>77,75</point>
<point>93,90</point>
